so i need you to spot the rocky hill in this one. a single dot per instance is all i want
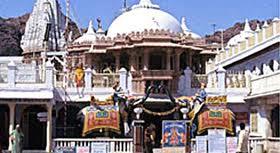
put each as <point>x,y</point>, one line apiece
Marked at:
<point>12,29</point>
<point>232,31</point>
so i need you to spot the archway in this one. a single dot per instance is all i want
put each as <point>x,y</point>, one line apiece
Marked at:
<point>71,127</point>
<point>275,122</point>
<point>183,61</point>
<point>33,128</point>
<point>124,59</point>
<point>4,126</point>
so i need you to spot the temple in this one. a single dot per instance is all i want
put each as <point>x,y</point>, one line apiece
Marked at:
<point>146,68</point>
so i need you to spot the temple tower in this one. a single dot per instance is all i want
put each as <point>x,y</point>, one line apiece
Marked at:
<point>44,28</point>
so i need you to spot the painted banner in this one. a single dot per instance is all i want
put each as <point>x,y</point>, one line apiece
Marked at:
<point>106,117</point>
<point>99,147</point>
<point>174,133</point>
<point>231,144</point>
<point>201,144</point>
<point>215,119</point>
<point>82,149</point>
<point>216,141</point>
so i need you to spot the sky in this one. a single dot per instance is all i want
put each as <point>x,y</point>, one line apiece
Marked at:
<point>200,14</point>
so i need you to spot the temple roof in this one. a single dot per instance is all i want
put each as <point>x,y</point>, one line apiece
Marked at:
<point>144,15</point>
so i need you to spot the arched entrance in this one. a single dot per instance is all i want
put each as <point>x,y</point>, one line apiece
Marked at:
<point>71,127</point>
<point>34,130</point>
<point>4,126</point>
<point>157,120</point>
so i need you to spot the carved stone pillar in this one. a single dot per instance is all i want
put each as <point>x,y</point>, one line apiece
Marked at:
<point>168,56</point>
<point>264,125</point>
<point>177,60</point>
<point>49,128</point>
<point>132,61</point>
<point>146,60</point>
<point>117,61</point>
<point>12,121</point>
<point>190,59</point>
<point>138,136</point>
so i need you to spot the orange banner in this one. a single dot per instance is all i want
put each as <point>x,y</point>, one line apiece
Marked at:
<point>215,119</point>
<point>108,118</point>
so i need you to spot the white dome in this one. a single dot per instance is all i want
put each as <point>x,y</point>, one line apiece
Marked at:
<point>88,37</point>
<point>144,15</point>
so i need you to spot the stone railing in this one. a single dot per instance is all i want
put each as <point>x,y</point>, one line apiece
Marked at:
<point>212,80</point>
<point>266,33</point>
<point>235,80</point>
<point>265,80</point>
<point>26,73</point>
<point>93,80</point>
<point>157,73</point>
<point>3,73</point>
<point>260,145</point>
<point>105,79</point>
<point>265,83</point>
<point>114,145</point>
<point>256,145</point>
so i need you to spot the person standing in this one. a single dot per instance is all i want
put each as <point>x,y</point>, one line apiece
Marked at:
<point>149,139</point>
<point>17,140</point>
<point>201,94</point>
<point>243,137</point>
<point>79,79</point>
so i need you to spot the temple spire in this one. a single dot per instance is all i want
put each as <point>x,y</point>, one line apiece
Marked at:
<point>247,27</point>
<point>99,30</point>
<point>90,28</point>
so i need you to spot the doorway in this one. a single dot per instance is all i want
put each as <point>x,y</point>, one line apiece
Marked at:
<point>4,126</point>
<point>157,120</point>
<point>34,130</point>
<point>275,125</point>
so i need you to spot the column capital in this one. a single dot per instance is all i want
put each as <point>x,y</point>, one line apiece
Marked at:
<point>49,105</point>
<point>11,105</point>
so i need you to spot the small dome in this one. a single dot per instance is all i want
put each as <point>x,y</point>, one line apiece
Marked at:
<point>89,36</point>
<point>247,32</point>
<point>144,15</point>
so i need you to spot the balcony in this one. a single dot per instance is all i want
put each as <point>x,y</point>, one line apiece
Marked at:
<point>265,84</point>
<point>26,81</point>
<point>259,144</point>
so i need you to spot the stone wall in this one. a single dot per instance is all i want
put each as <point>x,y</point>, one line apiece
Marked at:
<point>263,57</point>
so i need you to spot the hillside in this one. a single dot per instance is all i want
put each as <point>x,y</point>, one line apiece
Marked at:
<point>232,31</point>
